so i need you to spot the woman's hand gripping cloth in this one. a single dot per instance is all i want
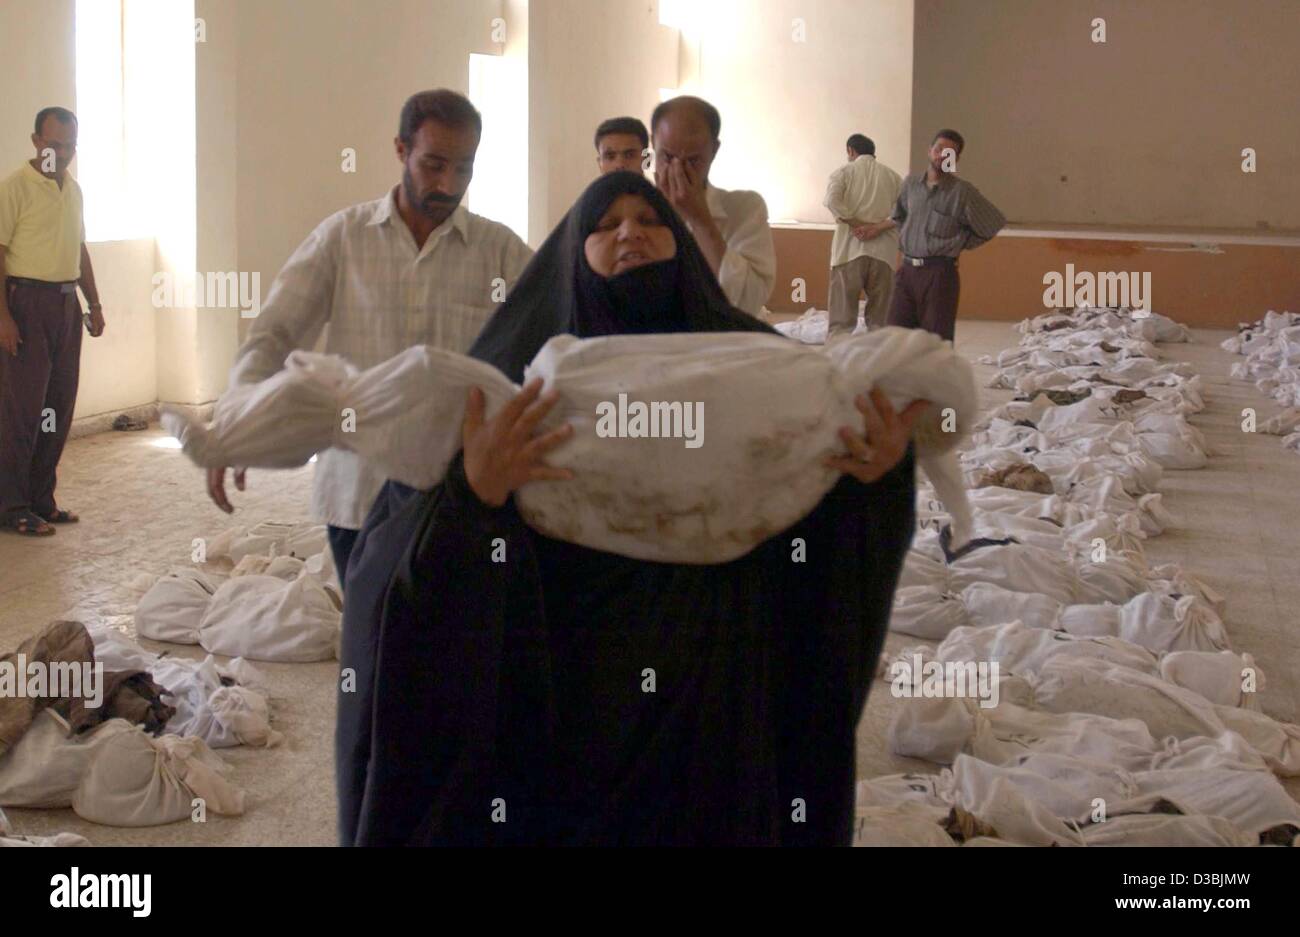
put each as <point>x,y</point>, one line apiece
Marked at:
<point>729,450</point>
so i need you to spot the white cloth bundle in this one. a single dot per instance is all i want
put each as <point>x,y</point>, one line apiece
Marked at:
<point>1222,677</point>
<point>267,618</point>
<point>1018,648</point>
<point>223,716</point>
<point>269,539</point>
<point>114,774</point>
<point>1138,472</point>
<point>135,780</point>
<point>1050,800</point>
<point>811,327</point>
<point>900,825</point>
<point>174,605</point>
<point>771,412</point>
<point>46,766</point>
<point>938,729</point>
<point>1021,799</point>
<point>1020,567</point>
<point>1090,686</point>
<point>1215,675</point>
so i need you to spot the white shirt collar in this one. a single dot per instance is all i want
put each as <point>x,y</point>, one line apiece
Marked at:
<point>386,209</point>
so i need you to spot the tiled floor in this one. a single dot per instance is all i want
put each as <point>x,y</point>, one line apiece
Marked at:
<point>142,505</point>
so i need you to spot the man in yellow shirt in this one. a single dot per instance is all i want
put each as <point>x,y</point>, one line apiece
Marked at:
<point>43,259</point>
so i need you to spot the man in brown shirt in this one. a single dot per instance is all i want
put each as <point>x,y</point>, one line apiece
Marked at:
<point>940,216</point>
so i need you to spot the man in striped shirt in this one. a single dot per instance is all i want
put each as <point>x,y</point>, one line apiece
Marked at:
<point>414,267</point>
<point>940,216</point>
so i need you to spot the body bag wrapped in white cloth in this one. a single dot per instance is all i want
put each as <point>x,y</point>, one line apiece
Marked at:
<point>688,447</point>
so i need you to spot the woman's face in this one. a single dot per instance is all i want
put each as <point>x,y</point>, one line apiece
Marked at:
<point>630,234</point>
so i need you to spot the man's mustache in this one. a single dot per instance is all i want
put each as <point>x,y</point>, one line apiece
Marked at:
<point>441,199</point>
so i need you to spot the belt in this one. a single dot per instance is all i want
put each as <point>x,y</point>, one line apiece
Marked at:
<point>923,261</point>
<point>64,286</point>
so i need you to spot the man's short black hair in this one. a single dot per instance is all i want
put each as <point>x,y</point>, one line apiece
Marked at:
<point>952,135</point>
<point>442,105</point>
<point>703,109</point>
<point>61,114</point>
<point>862,144</point>
<point>629,125</point>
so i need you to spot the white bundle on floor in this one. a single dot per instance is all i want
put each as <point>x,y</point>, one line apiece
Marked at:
<point>1020,567</point>
<point>257,616</point>
<point>1051,800</point>
<point>46,766</point>
<point>1091,686</point>
<point>771,412</point>
<point>1223,678</point>
<point>269,539</point>
<point>1138,472</point>
<point>938,729</point>
<point>266,618</point>
<point>905,824</point>
<point>1252,801</point>
<point>1159,623</point>
<point>1121,535</point>
<point>173,606</point>
<point>1075,524</point>
<point>114,774</point>
<point>811,327</point>
<point>1017,648</point>
<point>1142,324</point>
<point>135,780</point>
<point>223,716</point>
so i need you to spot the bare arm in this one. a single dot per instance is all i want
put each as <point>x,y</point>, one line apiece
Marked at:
<point>9,337</point>
<point>87,283</point>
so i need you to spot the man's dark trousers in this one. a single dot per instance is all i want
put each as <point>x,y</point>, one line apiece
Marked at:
<point>925,297</point>
<point>38,390</point>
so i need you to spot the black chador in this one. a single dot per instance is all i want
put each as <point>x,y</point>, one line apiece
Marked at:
<point>570,696</point>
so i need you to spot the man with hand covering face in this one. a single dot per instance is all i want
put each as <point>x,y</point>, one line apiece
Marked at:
<point>729,226</point>
<point>516,690</point>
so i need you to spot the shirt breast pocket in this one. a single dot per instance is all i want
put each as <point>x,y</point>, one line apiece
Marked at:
<point>941,225</point>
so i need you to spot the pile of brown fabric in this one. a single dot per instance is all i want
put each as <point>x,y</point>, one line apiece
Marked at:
<point>1019,477</point>
<point>131,695</point>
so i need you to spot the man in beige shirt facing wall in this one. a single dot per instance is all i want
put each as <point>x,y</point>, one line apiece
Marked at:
<point>859,194</point>
<point>43,259</point>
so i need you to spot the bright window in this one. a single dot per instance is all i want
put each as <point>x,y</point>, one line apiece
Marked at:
<point>498,86</point>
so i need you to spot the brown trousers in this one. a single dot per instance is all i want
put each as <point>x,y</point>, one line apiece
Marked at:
<point>38,390</point>
<point>861,273</point>
<point>926,298</point>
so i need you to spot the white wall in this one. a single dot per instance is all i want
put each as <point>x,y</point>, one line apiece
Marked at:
<point>216,246</point>
<point>313,78</point>
<point>1145,129</point>
<point>587,60</point>
<point>38,49</point>
<point>118,369</point>
<point>788,106</point>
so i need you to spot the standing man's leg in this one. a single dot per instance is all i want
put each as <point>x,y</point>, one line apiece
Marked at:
<point>23,379</point>
<point>903,304</point>
<point>842,306</point>
<point>939,304</point>
<point>63,328</point>
<point>880,290</point>
<point>342,540</point>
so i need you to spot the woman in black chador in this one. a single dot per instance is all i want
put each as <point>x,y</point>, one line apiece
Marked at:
<point>572,696</point>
